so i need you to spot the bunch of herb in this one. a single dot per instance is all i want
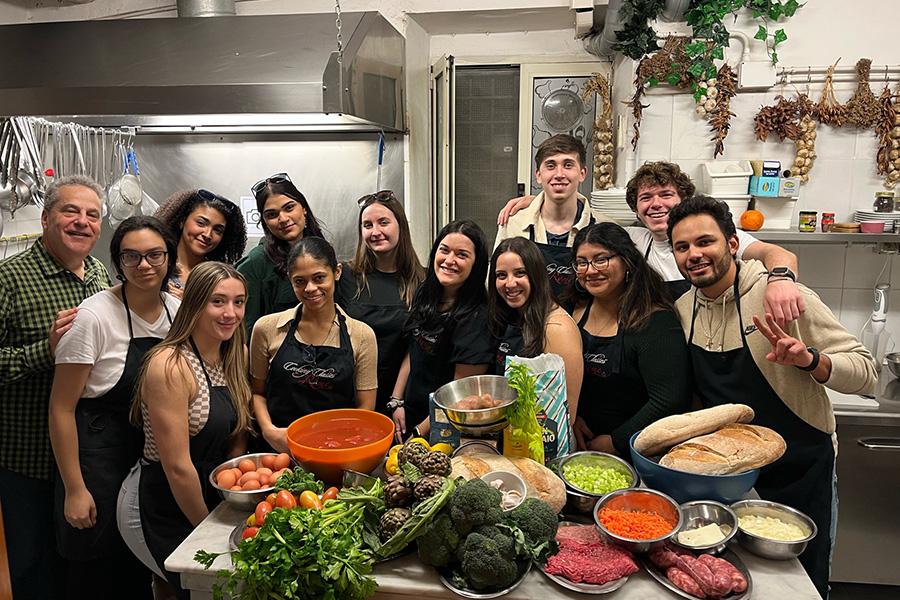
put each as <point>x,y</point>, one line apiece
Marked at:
<point>522,415</point>
<point>297,481</point>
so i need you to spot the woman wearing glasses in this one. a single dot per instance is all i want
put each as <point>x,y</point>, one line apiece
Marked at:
<point>97,365</point>
<point>285,217</point>
<point>447,326</point>
<point>312,356</point>
<point>636,363</point>
<point>377,287</point>
<point>207,227</point>
<point>525,320</point>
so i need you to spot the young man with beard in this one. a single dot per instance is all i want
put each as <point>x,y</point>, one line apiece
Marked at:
<point>740,354</point>
<point>558,212</point>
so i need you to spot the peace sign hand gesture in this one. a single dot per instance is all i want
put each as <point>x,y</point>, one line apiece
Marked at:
<point>786,350</point>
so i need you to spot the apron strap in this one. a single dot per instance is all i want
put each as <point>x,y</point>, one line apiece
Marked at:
<point>128,311</point>
<point>737,303</point>
<point>584,315</point>
<point>202,365</point>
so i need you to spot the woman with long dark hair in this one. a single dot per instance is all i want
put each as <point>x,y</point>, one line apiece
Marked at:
<point>312,356</point>
<point>636,363</point>
<point>525,320</point>
<point>285,217</point>
<point>447,326</point>
<point>97,365</point>
<point>377,286</point>
<point>206,227</point>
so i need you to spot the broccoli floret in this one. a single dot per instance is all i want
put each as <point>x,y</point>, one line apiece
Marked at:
<point>488,561</point>
<point>438,542</point>
<point>536,520</point>
<point>475,503</point>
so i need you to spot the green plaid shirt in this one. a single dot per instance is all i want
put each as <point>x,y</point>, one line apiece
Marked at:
<point>33,289</point>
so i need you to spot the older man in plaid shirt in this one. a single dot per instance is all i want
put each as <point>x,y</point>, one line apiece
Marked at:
<point>40,289</point>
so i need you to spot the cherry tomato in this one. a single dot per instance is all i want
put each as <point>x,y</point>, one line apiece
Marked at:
<point>309,499</point>
<point>262,510</point>
<point>271,499</point>
<point>330,494</point>
<point>249,532</point>
<point>285,499</point>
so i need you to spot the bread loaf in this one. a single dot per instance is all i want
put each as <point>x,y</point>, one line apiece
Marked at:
<point>668,431</point>
<point>541,482</point>
<point>732,449</point>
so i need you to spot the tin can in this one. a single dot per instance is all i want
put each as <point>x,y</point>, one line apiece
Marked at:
<point>827,221</point>
<point>807,220</point>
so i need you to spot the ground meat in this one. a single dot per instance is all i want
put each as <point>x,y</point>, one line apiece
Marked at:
<point>475,402</point>
<point>584,558</point>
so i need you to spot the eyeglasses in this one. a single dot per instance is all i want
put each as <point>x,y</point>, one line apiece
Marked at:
<point>276,178</point>
<point>208,195</point>
<point>154,258</point>
<point>600,263</point>
<point>381,196</point>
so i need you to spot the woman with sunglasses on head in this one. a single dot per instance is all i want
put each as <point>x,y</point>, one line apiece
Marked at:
<point>377,287</point>
<point>97,365</point>
<point>312,356</point>
<point>447,327</point>
<point>525,320</point>
<point>207,227</point>
<point>636,363</point>
<point>193,402</point>
<point>285,217</point>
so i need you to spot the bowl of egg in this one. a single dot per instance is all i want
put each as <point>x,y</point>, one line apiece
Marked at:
<point>245,481</point>
<point>772,530</point>
<point>707,526</point>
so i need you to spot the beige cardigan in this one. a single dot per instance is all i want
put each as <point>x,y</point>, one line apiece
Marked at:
<point>716,329</point>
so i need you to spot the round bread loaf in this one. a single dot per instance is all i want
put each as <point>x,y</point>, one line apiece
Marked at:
<point>541,482</point>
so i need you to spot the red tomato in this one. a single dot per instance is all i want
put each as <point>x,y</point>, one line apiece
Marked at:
<point>285,499</point>
<point>249,532</point>
<point>330,494</point>
<point>282,461</point>
<point>309,499</point>
<point>271,498</point>
<point>246,465</point>
<point>262,509</point>
<point>268,460</point>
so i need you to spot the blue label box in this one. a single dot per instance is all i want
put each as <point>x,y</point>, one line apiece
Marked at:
<point>764,186</point>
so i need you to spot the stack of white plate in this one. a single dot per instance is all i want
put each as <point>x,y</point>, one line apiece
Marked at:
<point>870,215</point>
<point>611,203</point>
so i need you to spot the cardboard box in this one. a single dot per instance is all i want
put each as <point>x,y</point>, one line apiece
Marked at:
<point>764,186</point>
<point>789,187</point>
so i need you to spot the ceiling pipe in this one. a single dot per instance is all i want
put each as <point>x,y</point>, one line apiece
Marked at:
<point>601,44</point>
<point>206,8</point>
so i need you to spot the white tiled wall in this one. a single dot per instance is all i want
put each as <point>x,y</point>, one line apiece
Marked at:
<point>26,221</point>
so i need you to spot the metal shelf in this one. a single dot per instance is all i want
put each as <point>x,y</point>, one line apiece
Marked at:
<point>817,237</point>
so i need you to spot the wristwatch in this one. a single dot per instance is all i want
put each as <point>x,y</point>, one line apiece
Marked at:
<point>783,272</point>
<point>394,403</point>
<point>815,360</point>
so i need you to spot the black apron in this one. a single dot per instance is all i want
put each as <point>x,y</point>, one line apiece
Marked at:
<point>558,260</point>
<point>108,447</point>
<point>803,477</point>
<point>429,369</point>
<point>304,379</point>
<point>603,356</point>
<point>510,344</point>
<point>162,522</point>
<point>676,288</point>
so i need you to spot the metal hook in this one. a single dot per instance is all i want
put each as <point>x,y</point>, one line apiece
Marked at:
<point>808,75</point>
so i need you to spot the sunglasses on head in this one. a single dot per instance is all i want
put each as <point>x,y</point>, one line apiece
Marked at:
<point>208,195</point>
<point>276,178</point>
<point>377,196</point>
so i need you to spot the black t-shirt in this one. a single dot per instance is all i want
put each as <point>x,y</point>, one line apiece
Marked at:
<point>562,239</point>
<point>379,306</point>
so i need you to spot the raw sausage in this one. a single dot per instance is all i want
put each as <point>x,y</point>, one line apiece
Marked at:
<point>703,576</point>
<point>721,573</point>
<point>685,582</point>
<point>738,581</point>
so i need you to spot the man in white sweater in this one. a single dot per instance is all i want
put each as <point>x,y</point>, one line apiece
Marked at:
<point>740,354</point>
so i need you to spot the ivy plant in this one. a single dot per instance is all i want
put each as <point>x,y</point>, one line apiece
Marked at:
<point>636,38</point>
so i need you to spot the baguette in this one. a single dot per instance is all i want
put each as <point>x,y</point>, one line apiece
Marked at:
<point>541,482</point>
<point>669,431</point>
<point>732,449</point>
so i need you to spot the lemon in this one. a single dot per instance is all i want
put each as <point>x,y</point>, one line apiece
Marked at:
<point>443,447</point>
<point>421,441</point>
<point>392,466</point>
<point>395,450</point>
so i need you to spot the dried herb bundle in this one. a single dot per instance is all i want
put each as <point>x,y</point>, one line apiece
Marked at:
<point>668,64</point>
<point>603,133</point>
<point>781,119</point>
<point>888,130</point>
<point>863,108</point>
<point>720,118</point>
<point>828,110</point>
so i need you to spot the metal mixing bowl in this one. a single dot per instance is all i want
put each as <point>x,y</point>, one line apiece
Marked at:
<point>601,459</point>
<point>476,421</point>
<point>707,512</point>
<point>766,547</point>
<point>243,499</point>
<point>893,363</point>
<point>575,501</point>
<point>642,500</point>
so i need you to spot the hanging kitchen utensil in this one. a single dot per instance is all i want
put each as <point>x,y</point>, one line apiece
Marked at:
<point>125,194</point>
<point>33,166</point>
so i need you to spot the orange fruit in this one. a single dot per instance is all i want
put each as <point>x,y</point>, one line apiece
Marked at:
<point>752,220</point>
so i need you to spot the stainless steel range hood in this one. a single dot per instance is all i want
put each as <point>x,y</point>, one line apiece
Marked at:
<point>274,71</point>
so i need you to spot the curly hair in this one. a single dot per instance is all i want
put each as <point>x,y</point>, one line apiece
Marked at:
<point>703,205</point>
<point>658,173</point>
<point>176,209</point>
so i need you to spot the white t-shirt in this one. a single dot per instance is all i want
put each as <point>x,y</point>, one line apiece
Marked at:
<point>662,260</point>
<point>99,337</point>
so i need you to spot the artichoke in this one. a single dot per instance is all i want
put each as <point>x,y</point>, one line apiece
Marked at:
<point>397,492</point>
<point>411,452</point>
<point>435,463</point>
<point>427,487</point>
<point>391,522</point>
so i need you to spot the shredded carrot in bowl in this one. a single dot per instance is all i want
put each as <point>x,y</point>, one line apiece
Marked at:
<point>634,525</point>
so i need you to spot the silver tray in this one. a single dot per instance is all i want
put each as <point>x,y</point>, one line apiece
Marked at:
<point>728,555</point>
<point>467,593</point>
<point>584,588</point>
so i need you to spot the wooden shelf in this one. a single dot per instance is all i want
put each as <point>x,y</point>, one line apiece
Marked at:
<point>792,236</point>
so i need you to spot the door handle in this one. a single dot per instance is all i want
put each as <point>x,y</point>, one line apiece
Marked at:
<point>879,443</point>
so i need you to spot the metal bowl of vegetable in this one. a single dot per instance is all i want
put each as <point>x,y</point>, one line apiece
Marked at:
<point>650,517</point>
<point>476,405</point>
<point>707,526</point>
<point>594,474</point>
<point>773,519</point>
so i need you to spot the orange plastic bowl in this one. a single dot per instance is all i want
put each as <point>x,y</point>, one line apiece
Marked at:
<point>328,463</point>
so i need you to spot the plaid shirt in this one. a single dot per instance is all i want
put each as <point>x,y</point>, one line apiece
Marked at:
<point>33,289</point>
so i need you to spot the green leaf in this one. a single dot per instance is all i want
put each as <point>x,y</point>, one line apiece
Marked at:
<point>673,78</point>
<point>697,70</point>
<point>775,12</point>
<point>774,57</point>
<point>718,53</point>
<point>699,94</point>
<point>790,7</point>
<point>653,82</point>
<point>780,36</point>
<point>761,34</point>
<point>694,49</point>
<point>756,14</point>
<point>711,73</point>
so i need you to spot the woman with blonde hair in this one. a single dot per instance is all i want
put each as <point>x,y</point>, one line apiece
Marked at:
<point>193,400</point>
<point>378,285</point>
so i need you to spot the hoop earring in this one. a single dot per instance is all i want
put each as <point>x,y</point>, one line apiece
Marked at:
<point>579,288</point>
<point>627,276</point>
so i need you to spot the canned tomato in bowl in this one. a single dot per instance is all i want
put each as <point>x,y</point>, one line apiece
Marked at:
<point>807,220</point>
